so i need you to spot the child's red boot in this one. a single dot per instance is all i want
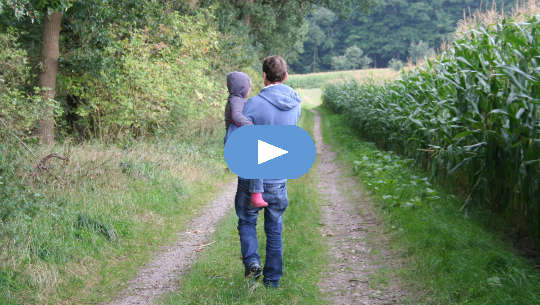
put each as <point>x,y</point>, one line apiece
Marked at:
<point>258,201</point>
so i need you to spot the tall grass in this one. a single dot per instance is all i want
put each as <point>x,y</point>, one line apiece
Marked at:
<point>76,233</point>
<point>470,115</point>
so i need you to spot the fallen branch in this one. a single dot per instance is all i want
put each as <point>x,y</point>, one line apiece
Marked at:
<point>42,165</point>
<point>208,244</point>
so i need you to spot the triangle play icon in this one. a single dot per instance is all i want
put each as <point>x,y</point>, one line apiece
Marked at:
<point>267,152</point>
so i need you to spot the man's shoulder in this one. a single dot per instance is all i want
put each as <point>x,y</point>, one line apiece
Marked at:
<point>254,100</point>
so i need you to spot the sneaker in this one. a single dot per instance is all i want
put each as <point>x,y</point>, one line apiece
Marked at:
<point>254,270</point>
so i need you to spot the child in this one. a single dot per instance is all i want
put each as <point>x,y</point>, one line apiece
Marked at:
<point>239,85</point>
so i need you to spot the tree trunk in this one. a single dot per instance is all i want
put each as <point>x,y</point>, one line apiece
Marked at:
<point>47,77</point>
<point>246,18</point>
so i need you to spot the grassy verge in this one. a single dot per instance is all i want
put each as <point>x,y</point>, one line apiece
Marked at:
<point>311,98</point>
<point>218,275</point>
<point>448,258</point>
<point>79,238</point>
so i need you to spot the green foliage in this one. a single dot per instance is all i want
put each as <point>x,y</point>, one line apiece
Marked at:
<point>278,27</point>
<point>395,64</point>
<point>387,31</point>
<point>18,103</point>
<point>353,59</point>
<point>420,50</point>
<point>160,79</point>
<point>17,200</point>
<point>470,116</point>
<point>34,9</point>
<point>126,68</point>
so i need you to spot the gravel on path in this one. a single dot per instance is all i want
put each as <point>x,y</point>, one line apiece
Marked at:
<point>161,274</point>
<point>348,220</point>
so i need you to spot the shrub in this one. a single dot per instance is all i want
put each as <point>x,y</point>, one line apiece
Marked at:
<point>18,109</point>
<point>420,50</point>
<point>157,83</point>
<point>395,64</point>
<point>353,59</point>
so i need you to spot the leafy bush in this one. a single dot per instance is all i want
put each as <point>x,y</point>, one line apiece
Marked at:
<point>471,116</point>
<point>161,80</point>
<point>353,59</point>
<point>419,51</point>
<point>18,109</point>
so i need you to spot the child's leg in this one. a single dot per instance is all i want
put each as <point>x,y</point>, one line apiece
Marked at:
<point>256,186</point>
<point>256,189</point>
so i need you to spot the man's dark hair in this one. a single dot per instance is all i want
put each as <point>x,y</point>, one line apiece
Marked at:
<point>275,68</point>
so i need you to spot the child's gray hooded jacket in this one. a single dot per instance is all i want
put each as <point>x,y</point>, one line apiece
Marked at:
<point>238,84</point>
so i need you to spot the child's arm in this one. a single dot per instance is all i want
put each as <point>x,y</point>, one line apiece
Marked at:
<point>237,106</point>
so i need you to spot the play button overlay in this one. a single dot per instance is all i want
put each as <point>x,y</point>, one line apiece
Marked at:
<point>267,152</point>
<point>270,152</point>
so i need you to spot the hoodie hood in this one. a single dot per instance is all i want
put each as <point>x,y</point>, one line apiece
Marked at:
<point>238,84</point>
<point>281,96</point>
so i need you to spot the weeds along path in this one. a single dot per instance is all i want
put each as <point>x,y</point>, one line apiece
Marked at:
<point>161,274</point>
<point>350,225</point>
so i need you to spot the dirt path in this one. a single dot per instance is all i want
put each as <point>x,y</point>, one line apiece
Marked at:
<point>348,221</point>
<point>161,274</point>
<point>347,225</point>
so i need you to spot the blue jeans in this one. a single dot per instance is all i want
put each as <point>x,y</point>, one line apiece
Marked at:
<point>256,186</point>
<point>276,196</point>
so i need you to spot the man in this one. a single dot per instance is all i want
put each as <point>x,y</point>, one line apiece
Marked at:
<point>276,104</point>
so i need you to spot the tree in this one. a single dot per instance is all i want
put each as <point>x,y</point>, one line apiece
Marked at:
<point>51,12</point>
<point>389,28</point>
<point>353,59</point>
<point>356,57</point>
<point>420,50</point>
<point>50,50</point>
<point>275,27</point>
<point>340,63</point>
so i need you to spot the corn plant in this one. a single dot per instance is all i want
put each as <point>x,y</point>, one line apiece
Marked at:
<point>471,115</point>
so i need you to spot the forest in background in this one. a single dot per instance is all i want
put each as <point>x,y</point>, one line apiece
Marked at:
<point>404,30</point>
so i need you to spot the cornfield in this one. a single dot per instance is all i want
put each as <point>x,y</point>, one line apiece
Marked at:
<point>471,116</point>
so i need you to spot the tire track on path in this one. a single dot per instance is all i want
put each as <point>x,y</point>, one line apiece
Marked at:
<point>162,273</point>
<point>348,221</point>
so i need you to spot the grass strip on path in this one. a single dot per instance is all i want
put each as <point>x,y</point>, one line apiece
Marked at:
<point>218,276</point>
<point>447,257</point>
